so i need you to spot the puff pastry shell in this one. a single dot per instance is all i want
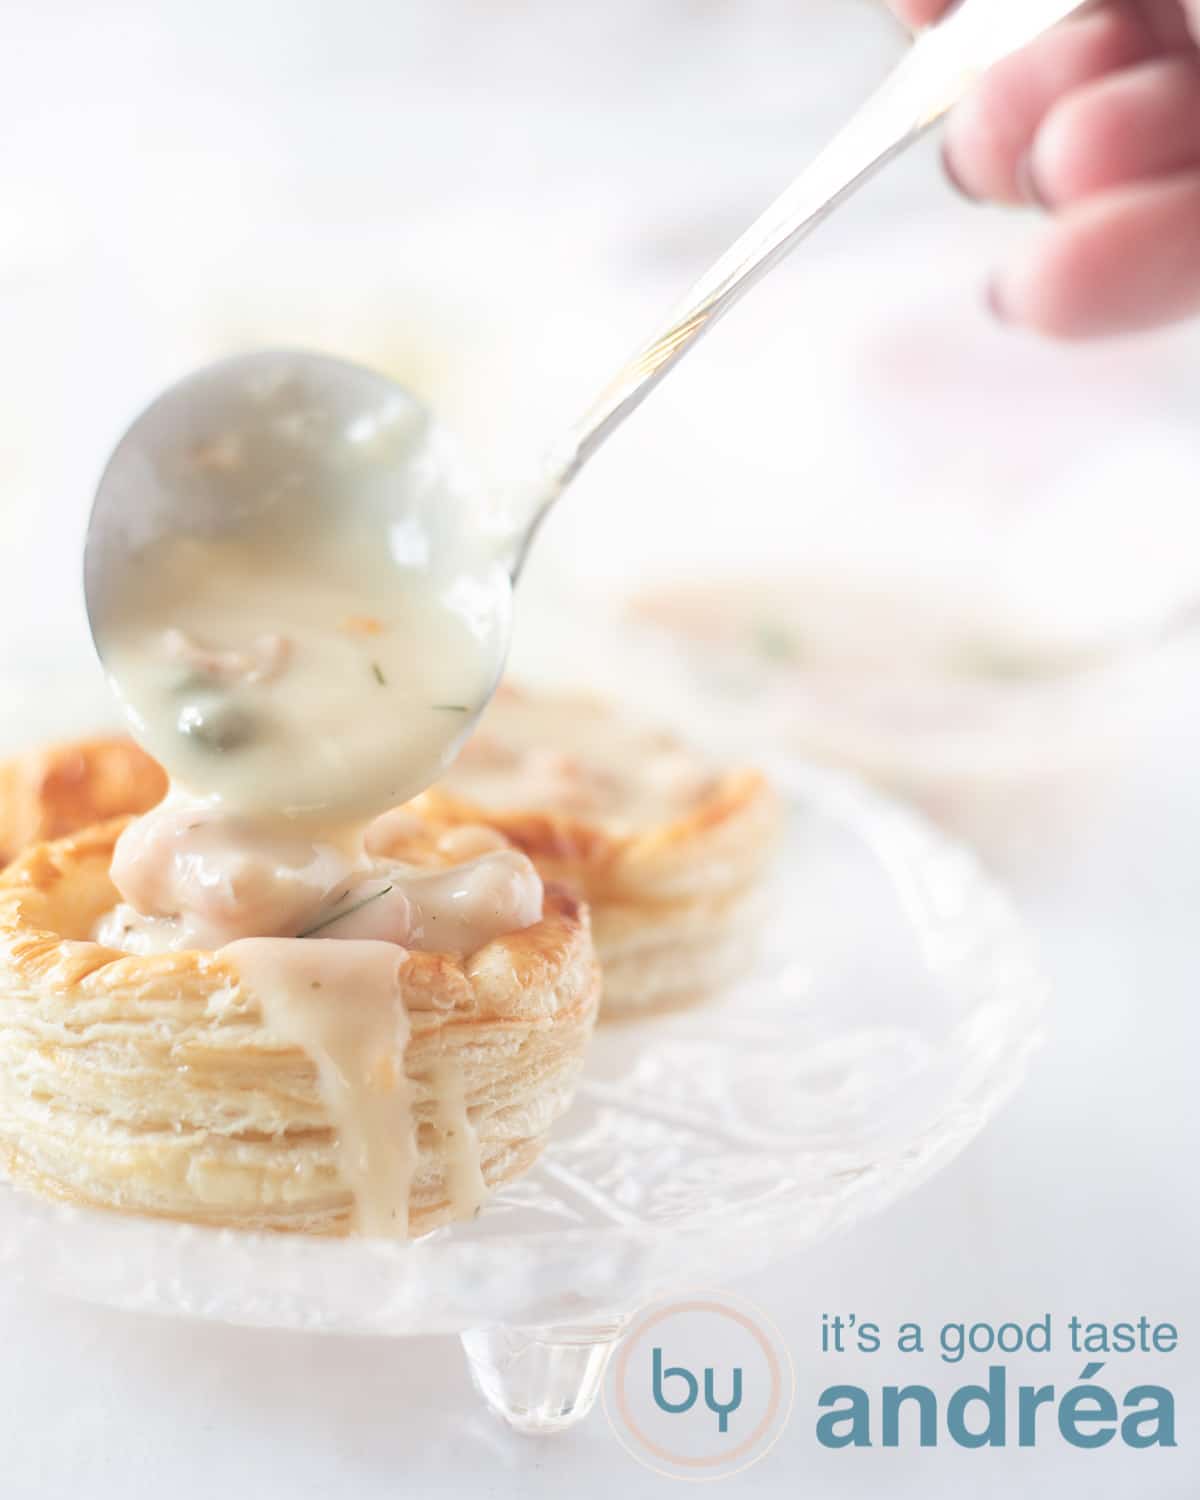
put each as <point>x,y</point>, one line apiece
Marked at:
<point>47,793</point>
<point>668,852</point>
<point>152,1085</point>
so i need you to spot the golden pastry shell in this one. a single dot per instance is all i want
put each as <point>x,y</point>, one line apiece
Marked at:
<point>151,1084</point>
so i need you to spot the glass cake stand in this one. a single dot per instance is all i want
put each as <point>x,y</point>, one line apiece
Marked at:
<point>891,1011</point>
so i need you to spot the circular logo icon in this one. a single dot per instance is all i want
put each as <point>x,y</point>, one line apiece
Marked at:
<point>699,1388</point>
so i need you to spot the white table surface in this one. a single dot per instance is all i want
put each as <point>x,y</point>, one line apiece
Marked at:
<point>1081,1198</point>
<point>180,178</point>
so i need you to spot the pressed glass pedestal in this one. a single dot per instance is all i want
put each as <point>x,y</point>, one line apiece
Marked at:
<point>891,1011</point>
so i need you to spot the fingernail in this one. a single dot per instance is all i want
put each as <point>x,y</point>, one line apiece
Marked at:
<point>952,176</point>
<point>1029,184</point>
<point>996,297</point>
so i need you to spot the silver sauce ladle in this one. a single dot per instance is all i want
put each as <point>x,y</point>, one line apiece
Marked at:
<point>317,406</point>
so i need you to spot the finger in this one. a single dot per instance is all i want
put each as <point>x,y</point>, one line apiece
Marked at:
<point>1170,20</point>
<point>919,12</point>
<point>1138,124</point>
<point>1124,261</point>
<point>989,136</point>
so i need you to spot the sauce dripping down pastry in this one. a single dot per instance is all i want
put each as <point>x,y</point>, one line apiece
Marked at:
<point>319,934</point>
<point>342,1003</point>
<point>297,678</point>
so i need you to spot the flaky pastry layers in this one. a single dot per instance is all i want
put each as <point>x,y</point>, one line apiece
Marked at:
<point>668,851</point>
<point>152,1084</point>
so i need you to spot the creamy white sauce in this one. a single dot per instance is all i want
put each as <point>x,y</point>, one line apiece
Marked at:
<point>281,688</point>
<point>342,1004</point>
<point>465,1187</point>
<point>193,878</point>
<point>455,910</point>
<point>298,674</point>
<point>322,641</point>
<point>224,877</point>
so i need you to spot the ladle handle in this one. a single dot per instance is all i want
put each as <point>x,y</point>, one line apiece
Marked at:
<point>940,67</point>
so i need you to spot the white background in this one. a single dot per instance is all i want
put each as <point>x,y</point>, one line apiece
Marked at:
<point>491,199</point>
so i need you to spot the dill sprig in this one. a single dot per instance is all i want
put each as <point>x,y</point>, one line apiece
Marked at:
<point>349,912</point>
